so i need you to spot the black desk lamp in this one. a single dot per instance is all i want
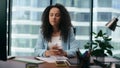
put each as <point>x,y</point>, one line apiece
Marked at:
<point>112,24</point>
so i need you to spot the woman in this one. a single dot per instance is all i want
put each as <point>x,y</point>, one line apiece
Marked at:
<point>56,35</point>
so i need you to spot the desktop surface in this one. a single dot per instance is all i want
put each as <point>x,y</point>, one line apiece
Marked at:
<point>18,64</point>
<point>13,63</point>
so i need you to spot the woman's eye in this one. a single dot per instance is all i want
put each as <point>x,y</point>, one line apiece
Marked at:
<point>51,14</point>
<point>57,15</point>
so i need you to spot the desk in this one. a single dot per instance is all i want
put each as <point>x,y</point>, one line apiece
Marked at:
<point>17,64</point>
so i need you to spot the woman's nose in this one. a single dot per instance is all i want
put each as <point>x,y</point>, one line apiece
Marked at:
<point>54,16</point>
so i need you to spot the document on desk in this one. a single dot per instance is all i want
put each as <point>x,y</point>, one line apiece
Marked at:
<point>28,60</point>
<point>53,59</point>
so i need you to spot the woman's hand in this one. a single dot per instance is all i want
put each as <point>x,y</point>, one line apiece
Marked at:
<point>51,53</point>
<point>54,51</point>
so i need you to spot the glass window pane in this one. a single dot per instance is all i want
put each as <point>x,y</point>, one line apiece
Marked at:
<point>40,3</point>
<point>104,3</point>
<point>82,30</point>
<point>104,16</point>
<point>85,17</point>
<point>104,11</point>
<point>26,20</point>
<point>36,16</point>
<point>24,15</point>
<point>82,3</point>
<point>23,3</point>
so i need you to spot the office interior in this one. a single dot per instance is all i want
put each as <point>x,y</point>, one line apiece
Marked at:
<point>22,20</point>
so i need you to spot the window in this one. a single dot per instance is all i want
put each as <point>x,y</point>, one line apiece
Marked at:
<point>26,16</point>
<point>116,3</point>
<point>104,16</point>
<point>83,17</point>
<point>23,15</point>
<point>26,21</point>
<point>36,16</point>
<point>82,30</point>
<point>22,3</point>
<point>41,3</point>
<point>82,3</point>
<point>104,11</point>
<point>105,3</point>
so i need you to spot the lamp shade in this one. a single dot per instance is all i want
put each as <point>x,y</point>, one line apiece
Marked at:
<point>112,24</point>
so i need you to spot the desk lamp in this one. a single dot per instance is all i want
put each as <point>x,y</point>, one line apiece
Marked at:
<point>112,24</point>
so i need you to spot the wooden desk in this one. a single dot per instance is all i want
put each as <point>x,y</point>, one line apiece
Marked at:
<point>18,64</point>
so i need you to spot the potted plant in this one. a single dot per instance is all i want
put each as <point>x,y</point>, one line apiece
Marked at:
<point>101,45</point>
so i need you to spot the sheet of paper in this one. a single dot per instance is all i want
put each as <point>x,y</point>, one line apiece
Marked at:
<point>52,59</point>
<point>28,60</point>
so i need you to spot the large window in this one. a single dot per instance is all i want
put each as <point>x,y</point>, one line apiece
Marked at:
<point>26,21</point>
<point>105,3</point>
<point>104,16</point>
<point>104,11</point>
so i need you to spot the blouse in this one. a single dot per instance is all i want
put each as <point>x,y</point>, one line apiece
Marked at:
<point>70,46</point>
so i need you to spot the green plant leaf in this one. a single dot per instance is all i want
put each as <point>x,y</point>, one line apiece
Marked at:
<point>97,52</point>
<point>94,47</point>
<point>87,45</point>
<point>109,46</point>
<point>100,33</point>
<point>98,41</point>
<point>102,45</point>
<point>94,33</point>
<point>109,52</point>
<point>107,38</point>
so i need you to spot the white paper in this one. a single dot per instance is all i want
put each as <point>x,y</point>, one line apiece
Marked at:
<point>28,60</point>
<point>52,59</point>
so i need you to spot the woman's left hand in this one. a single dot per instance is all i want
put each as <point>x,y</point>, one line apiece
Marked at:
<point>62,52</point>
<point>59,51</point>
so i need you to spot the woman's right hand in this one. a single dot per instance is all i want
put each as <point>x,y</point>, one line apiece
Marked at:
<point>54,50</point>
<point>51,52</point>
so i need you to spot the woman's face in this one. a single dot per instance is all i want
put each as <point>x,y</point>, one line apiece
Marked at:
<point>54,16</point>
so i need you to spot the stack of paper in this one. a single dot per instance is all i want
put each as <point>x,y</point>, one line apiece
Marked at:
<point>52,59</point>
<point>28,60</point>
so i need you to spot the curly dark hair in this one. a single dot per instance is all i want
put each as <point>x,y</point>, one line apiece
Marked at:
<point>64,26</point>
